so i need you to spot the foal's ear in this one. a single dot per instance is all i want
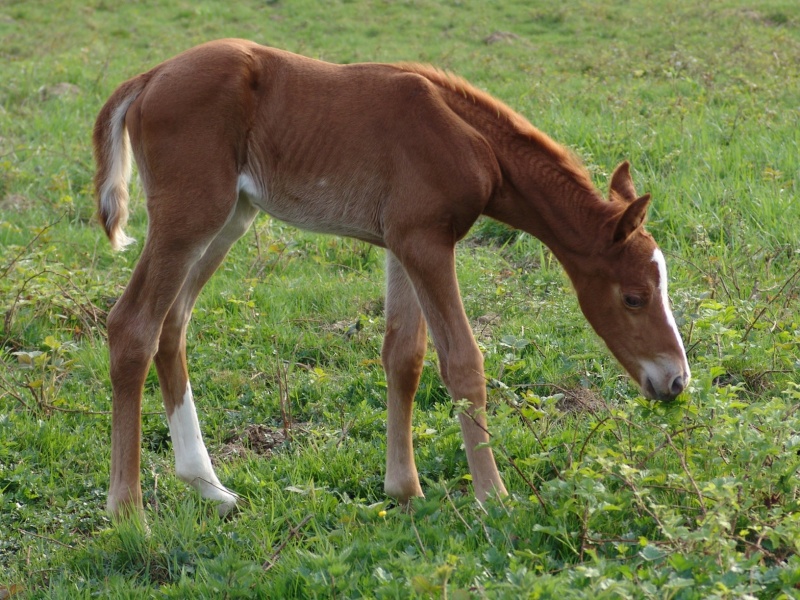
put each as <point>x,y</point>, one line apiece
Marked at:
<point>632,218</point>
<point>622,184</point>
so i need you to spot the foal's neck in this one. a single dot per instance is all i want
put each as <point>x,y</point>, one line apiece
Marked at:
<point>546,191</point>
<point>548,194</point>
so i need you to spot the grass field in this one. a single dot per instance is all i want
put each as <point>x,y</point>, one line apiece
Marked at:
<point>611,496</point>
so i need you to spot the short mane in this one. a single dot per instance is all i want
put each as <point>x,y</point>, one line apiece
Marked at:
<point>460,86</point>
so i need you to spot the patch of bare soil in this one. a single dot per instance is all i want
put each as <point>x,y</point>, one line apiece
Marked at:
<point>580,400</point>
<point>500,36</point>
<point>257,439</point>
<point>16,202</point>
<point>59,90</point>
<point>484,326</point>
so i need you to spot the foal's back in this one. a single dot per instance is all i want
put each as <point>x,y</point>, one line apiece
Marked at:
<point>345,149</point>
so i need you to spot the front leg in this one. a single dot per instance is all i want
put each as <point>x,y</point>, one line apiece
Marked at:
<point>431,269</point>
<point>402,356</point>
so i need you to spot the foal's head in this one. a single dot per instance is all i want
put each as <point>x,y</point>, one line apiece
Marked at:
<point>622,291</point>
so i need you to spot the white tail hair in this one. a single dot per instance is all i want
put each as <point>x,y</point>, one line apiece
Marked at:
<point>113,155</point>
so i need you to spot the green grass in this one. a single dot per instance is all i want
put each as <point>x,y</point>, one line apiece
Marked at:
<point>620,498</point>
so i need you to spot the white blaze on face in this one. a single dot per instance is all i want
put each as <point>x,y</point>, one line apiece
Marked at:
<point>192,463</point>
<point>654,370</point>
<point>658,258</point>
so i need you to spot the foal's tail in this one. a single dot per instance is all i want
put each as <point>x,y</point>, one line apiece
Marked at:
<point>112,154</point>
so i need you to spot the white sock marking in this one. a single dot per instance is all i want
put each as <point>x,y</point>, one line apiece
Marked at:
<point>192,462</point>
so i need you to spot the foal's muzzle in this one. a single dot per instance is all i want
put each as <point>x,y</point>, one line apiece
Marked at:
<point>667,392</point>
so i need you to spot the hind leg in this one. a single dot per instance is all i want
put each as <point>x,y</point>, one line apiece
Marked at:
<point>185,219</point>
<point>134,327</point>
<point>192,462</point>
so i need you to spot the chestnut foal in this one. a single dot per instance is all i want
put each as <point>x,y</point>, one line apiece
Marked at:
<point>402,156</point>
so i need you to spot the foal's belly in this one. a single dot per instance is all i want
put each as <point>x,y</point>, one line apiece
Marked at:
<point>319,207</point>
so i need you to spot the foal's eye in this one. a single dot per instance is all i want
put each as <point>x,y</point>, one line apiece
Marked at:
<point>633,301</point>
